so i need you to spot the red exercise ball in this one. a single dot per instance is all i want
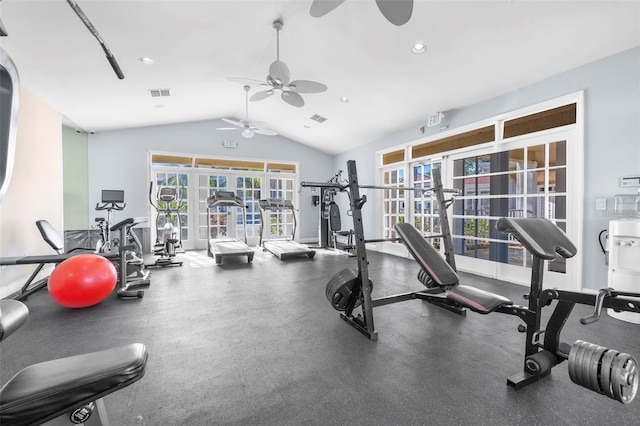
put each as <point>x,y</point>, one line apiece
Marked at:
<point>83,280</point>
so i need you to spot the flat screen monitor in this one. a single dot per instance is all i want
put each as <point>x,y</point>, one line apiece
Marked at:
<point>112,196</point>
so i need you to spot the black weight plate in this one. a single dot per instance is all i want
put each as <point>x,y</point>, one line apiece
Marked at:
<point>605,372</point>
<point>624,378</point>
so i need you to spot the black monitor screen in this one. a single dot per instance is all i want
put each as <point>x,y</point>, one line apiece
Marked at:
<point>112,196</point>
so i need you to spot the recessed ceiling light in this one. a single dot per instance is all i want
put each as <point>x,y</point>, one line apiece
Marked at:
<point>306,126</point>
<point>344,99</point>
<point>146,60</point>
<point>419,48</point>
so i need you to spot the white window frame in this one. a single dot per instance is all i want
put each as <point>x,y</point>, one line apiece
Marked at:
<point>575,172</point>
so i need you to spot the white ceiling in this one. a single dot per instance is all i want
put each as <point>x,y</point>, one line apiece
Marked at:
<point>476,50</point>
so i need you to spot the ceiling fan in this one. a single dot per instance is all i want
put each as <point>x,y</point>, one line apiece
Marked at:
<point>279,79</point>
<point>249,128</point>
<point>398,12</point>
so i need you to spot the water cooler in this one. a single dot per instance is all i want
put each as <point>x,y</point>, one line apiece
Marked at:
<point>624,261</point>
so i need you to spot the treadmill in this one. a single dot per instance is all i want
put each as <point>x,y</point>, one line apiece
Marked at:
<point>222,247</point>
<point>282,248</point>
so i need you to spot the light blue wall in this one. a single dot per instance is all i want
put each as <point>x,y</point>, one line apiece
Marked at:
<point>611,137</point>
<point>119,160</point>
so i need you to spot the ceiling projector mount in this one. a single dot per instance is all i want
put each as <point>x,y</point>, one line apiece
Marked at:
<point>279,78</point>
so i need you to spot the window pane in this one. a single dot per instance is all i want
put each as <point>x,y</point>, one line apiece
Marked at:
<point>558,154</point>
<point>557,207</point>
<point>558,180</point>
<point>535,157</point>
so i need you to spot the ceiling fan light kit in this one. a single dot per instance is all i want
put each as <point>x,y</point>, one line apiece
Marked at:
<point>279,79</point>
<point>249,128</point>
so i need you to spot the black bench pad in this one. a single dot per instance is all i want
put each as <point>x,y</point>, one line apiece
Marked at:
<point>442,274</point>
<point>477,300</point>
<point>46,390</point>
<point>49,258</point>
<point>541,237</point>
<point>427,256</point>
<point>13,315</point>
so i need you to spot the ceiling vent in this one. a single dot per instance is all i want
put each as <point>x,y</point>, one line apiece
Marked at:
<point>318,118</point>
<point>157,93</point>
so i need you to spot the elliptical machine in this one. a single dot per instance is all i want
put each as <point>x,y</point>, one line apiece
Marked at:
<point>168,239</point>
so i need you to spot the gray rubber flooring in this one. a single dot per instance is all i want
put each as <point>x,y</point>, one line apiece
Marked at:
<point>258,344</point>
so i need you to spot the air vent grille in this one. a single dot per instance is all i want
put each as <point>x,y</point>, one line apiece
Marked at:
<point>318,118</point>
<point>157,93</point>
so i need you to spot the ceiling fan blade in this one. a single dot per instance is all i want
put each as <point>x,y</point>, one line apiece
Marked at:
<point>249,81</point>
<point>398,12</point>
<point>322,7</point>
<point>261,95</point>
<point>307,86</point>
<point>292,98</point>
<point>278,70</point>
<point>226,128</point>
<point>265,131</point>
<point>234,122</point>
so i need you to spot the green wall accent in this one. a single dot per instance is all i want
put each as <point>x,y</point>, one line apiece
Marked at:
<point>75,174</point>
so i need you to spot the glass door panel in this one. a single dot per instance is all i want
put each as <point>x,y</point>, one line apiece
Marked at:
<point>527,178</point>
<point>179,216</point>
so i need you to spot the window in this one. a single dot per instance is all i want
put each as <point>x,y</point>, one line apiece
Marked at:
<point>211,224</point>
<point>281,223</point>
<point>180,181</point>
<point>425,205</point>
<point>250,190</point>
<point>393,201</point>
<point>522,165</point>
<point>249,179</point>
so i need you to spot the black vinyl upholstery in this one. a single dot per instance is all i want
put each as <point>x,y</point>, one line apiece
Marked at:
<point>480,301</point>
<point>441,274</point>
<point>426,255</point>
<point>13,315</point>
<point>44,391</point>
<point>51,236</point>
<point>540,237</point>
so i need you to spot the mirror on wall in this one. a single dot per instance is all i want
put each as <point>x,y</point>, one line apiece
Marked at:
<point>9,93</point>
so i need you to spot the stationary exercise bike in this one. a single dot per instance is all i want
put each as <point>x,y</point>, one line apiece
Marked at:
<point>168,239</point>
<point>111,200</point>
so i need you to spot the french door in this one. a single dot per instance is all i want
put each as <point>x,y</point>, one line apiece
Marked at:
<point>527,177</point>
<point>179,215</point>
<point>228,221</point>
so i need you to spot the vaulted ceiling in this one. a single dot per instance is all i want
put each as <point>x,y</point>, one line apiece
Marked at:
<point>476,50</point>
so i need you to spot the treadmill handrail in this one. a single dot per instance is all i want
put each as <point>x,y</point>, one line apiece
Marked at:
<point>276,204</point>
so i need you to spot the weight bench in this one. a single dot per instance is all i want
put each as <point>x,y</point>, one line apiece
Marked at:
<point>437,274</point>
<point>69,390</point>
<point>51,236</point>
<point>603,370</point>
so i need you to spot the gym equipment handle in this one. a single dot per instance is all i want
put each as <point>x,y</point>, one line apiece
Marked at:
<point>597,311</point>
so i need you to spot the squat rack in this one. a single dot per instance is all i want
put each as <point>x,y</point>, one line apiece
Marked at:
<point>365,323</point>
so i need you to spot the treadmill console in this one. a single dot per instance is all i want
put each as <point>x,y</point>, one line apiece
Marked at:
<point>275,203</point>
<point>224,198</point>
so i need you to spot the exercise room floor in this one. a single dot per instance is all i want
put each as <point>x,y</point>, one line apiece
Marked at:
<point>259,344</point>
